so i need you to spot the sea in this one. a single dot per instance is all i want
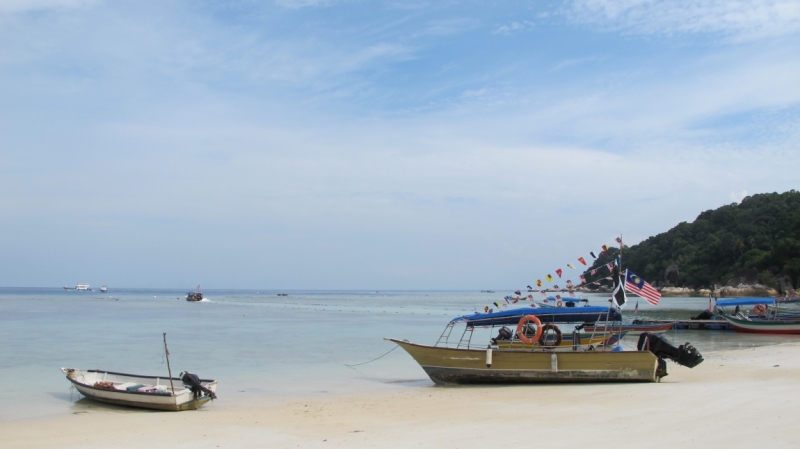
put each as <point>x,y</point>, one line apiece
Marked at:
<point>258,345</point>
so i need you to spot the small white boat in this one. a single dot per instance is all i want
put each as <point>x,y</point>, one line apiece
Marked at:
<point>82,287</point>
<point>103,289</point>
<point>150,392</point>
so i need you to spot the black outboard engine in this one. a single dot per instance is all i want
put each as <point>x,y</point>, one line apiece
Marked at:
<point>193,382</point>
<point>503,335</point>
<point>685,354</point>
<point>529,330</point>
<point>704,315</point>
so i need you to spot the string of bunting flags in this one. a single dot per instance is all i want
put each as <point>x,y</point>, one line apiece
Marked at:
<point>628,279</point>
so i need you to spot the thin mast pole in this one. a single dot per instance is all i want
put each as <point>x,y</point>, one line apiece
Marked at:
<point>169,369</point>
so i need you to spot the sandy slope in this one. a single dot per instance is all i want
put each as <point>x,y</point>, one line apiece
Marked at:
<point>735,398</point>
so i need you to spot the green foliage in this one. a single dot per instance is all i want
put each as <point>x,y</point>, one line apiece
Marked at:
<point>761,233</point>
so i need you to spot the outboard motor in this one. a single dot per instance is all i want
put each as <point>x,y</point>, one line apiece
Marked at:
<point>685,354</point>
<point>193,382</point>
<point>503,335</point>
<point>704,315</point>
<point>529,330</point>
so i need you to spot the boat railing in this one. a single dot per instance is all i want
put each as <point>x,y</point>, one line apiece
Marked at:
<point>443,339</point>
<point>466,337</point>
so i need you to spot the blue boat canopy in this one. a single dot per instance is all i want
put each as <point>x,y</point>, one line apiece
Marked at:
<point>565,298</point>
<point>589,314</point>
<point>744,301</point>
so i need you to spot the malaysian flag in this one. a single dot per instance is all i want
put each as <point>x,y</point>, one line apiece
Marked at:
<point>569,284</point>
<point>619,240</point>
<point>583,279</point>
<point>610,266</point>
<point>638,286</point>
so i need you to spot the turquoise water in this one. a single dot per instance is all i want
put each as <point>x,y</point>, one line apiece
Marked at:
<point>256,344</point>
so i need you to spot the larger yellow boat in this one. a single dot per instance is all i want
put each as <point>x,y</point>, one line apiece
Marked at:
<point>461,361</point>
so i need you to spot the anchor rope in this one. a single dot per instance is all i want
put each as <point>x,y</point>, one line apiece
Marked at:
<point>376,358</point>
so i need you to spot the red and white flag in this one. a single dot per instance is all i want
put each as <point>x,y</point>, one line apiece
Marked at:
<point>638,286</point>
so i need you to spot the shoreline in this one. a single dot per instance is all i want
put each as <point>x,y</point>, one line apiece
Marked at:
<point>735,397</point>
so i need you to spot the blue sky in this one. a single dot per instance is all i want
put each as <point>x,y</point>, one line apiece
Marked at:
<point>377,145</point>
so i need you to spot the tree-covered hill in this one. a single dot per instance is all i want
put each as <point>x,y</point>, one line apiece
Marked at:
<point>758,239</point>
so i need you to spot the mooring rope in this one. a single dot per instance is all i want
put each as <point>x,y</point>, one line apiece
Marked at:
<point>376,358</point>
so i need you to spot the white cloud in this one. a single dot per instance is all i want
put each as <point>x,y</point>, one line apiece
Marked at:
<point>738,197</point>
<point>741,20</point>
<point>513,27</point>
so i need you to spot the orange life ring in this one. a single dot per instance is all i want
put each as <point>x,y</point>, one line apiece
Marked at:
<point>521,334</point>
<point>760,309</point>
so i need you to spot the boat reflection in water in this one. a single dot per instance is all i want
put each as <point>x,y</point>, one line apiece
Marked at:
<point>538,352</point>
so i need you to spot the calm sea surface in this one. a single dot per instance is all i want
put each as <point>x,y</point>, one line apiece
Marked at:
<point>255,343</point>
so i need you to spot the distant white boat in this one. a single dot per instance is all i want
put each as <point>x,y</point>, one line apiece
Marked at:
<point>103,289</point>
<point>82,287</point>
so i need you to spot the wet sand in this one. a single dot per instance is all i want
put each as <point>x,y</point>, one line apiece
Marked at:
<point>735,398</point>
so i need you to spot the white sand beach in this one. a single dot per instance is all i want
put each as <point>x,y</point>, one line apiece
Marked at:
<point>737,398</point>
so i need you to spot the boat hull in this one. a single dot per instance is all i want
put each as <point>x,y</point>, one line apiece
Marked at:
<point>632,328</point>
<point>764,326</point>
<point>450,366</point>
<point>182,399</point>
<point>165,403</point>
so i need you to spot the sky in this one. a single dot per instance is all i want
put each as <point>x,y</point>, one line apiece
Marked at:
<point>313,144</point>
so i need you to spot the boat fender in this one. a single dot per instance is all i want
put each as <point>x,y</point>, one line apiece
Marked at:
<point>520,326</point>
<point>554,362</point>
<point>760,309</point>
<point>489,357</point>
<point>559,337</point>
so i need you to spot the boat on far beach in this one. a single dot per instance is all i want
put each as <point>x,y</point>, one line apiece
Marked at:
<point>769,315</point>
<point>764,326</point>
<point>103,289</point>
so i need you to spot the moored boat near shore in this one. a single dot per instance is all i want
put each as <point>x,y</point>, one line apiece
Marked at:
<point>461,361</point>
<point>151,392</point>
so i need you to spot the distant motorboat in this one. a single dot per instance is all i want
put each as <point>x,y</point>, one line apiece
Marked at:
<point>103,289</point>
<point>283,294</point>
<point>195,296</point>
<point>82,287</point>
<point>487,291</point>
